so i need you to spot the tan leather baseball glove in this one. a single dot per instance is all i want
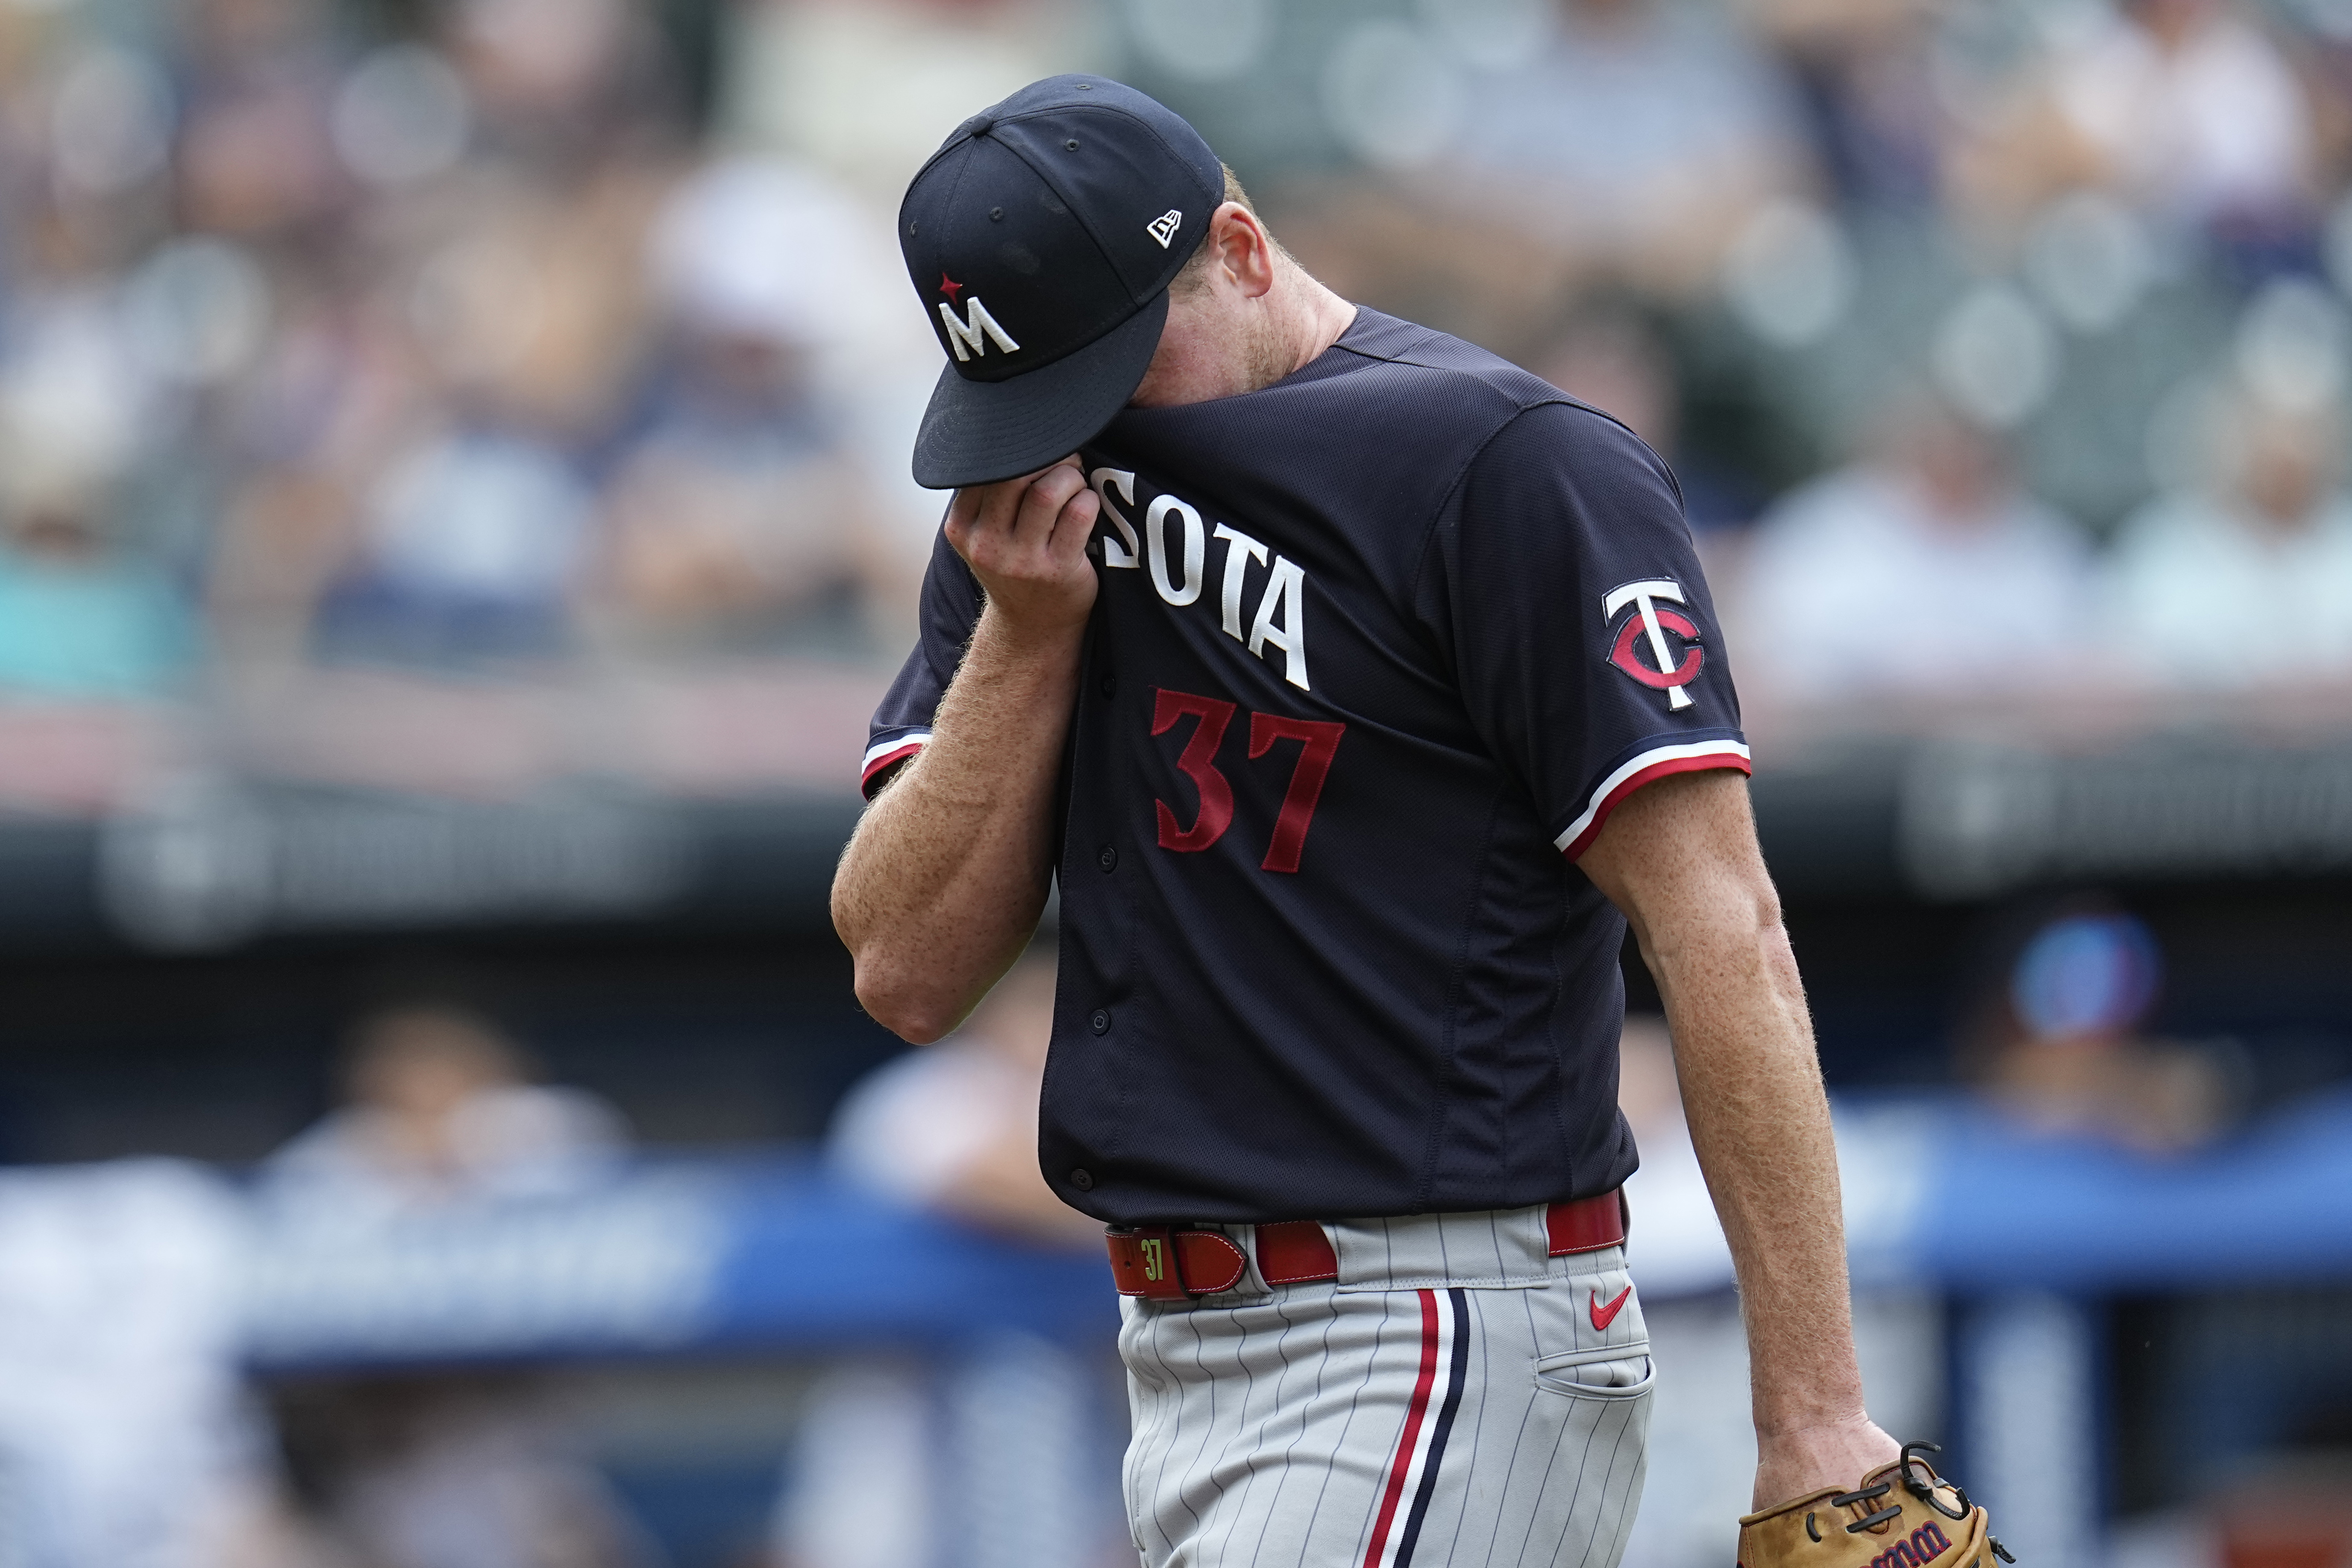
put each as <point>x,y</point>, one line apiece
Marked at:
<point>1903,1515</point>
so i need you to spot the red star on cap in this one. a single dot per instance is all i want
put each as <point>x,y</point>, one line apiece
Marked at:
<point>951,288</point>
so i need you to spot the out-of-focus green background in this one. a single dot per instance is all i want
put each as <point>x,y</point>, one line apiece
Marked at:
<point>454,526</point>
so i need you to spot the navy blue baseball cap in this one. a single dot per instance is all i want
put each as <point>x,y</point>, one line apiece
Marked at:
<point>1042,238</point>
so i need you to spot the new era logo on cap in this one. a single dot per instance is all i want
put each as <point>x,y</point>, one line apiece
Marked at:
<point>1047,295</point>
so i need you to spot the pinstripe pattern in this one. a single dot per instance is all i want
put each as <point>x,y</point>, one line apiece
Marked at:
<point>1464,1412</point>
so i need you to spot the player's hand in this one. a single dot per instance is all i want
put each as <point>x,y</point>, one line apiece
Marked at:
<point>1791,1464</point>
<point>1025,539</point>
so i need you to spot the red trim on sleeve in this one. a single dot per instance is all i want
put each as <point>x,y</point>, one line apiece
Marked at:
<point>1610,801</point>
<point>868,781</point>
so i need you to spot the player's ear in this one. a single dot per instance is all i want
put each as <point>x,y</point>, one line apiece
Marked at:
<point>1242,247</point>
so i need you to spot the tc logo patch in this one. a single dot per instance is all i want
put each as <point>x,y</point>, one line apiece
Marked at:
<point>1667,669</point>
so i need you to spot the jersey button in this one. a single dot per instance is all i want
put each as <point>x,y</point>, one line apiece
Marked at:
<point>1110,685</point>
<point>1082,1179</point>
<point>1100,1022</point>
<point>1107,859</point>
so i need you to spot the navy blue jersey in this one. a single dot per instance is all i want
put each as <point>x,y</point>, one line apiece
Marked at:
<point>1376,650</point>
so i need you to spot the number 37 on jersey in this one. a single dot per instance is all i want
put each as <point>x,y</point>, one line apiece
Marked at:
<point>1179,570</point>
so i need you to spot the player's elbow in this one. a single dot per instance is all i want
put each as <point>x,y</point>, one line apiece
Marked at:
<point>908,1018</point>
<point>894,997</point>
<point>887,985</point>
<point>921,1027</point>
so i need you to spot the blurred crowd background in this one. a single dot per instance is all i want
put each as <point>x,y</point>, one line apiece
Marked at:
<point>455,521</point>
<point>510,335</point>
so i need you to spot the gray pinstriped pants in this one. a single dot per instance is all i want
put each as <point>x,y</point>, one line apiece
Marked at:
<point>1456,1397</point>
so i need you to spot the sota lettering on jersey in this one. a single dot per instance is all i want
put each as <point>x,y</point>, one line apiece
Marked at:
<point>1173,543</point>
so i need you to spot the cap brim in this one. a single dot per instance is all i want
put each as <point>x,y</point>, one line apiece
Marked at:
<point>978,432</point>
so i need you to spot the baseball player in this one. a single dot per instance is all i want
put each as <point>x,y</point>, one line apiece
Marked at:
<point>1356,688</point>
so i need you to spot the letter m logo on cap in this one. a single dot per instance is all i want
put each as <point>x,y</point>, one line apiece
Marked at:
<point>970,337</point>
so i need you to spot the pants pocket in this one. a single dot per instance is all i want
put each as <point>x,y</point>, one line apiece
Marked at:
<point>1609,1371</point>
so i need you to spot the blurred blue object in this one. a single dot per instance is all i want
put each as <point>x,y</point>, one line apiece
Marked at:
<point>88,628</point>
<point>843,1268</point>
<point>2086,975</point>
<point>773,1253</point>
<point>767,1254</point>
<point>472,542</point>
<point>2002,1209</point>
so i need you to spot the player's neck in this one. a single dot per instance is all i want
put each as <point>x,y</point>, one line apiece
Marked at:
<point>1320,317</point>
<point>1223,348</point>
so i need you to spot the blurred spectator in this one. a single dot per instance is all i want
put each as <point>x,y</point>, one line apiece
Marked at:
<point>2247,580</point>
<point>471,511</point>
<point>1865,73</point>
<point>2190,108</point>
<point>562,83</point>
<point>954,1126</point>
<point>998,1452</point>
<point>866,90</point>
<point>736,516</point>
<point>447,353</point>
<point>1922,567</point>
<point>1635,137</point>
<point>451,1471</point>
<point>1520,156</point>
<point>123,1436</point>
<point>2063,1053</point>
<point>438,1112</point>
<point>79,616</point>
<point>527,298</point>
<point>254,155</point>
<point>470,545</point>
<point>2186,108</point>
<point>1614,362</point>
<point>455,1471</point>
<point>332,394</point>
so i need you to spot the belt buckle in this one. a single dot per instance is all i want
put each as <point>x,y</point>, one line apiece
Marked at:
<point>1155,1250</point>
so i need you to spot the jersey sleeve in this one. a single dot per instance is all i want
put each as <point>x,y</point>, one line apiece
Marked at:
<point>1563,581</point>
<point>902,724</point>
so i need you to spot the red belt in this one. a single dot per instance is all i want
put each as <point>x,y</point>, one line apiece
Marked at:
<point>1169,1264</point>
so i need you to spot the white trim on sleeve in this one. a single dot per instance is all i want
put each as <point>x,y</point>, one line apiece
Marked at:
<point>881,749</point>
<point>1610,790</point>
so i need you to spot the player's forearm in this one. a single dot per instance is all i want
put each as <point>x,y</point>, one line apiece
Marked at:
<point>1680,859</point>
<point>948,872</point>
<point>1760,1121</point>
